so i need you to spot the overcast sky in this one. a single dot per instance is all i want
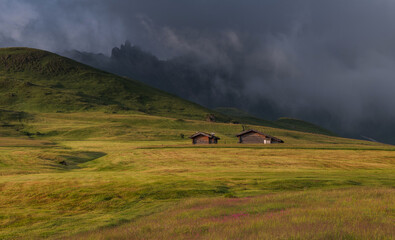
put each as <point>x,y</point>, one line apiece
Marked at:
<point>333,56</point>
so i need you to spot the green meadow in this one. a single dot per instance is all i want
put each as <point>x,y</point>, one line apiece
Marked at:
<point>97,175</point>
<point>85,154</point>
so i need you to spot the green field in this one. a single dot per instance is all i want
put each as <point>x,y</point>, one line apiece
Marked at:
<point>33,80</point>
<point>37,81</point>
<point>85,154</point>
<point>114,176</point>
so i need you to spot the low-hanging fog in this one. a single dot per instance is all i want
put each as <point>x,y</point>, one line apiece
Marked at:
<point>329,62</point>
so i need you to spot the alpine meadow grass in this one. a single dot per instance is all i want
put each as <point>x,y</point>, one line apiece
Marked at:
<point>134,176</point>
<point>85,154</point>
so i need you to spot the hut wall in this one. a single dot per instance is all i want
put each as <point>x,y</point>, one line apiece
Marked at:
<point>213,140</point>
<point>201,140</point>
<point>253,137</point>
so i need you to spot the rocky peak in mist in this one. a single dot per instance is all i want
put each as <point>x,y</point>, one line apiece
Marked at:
<point>214,85</point>
<point>133,55</point>
<point>185,75</point>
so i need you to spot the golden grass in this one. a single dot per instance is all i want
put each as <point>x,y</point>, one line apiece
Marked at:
<point>135,127</point>
<point>23,142</point>
<point>359,213</point>
<point>123,171</point>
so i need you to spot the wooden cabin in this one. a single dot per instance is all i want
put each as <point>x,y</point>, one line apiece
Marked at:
<point>252,137</point>
<point>204,138</point>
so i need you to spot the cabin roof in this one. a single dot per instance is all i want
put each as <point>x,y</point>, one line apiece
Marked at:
<point>204,134</point>
<point>261,133</point>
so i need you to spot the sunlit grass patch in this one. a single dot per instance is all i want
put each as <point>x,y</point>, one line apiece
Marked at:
<point>29,160</point>
<point>23,142</point>
<point>90,171</point>
<point>362,213</point>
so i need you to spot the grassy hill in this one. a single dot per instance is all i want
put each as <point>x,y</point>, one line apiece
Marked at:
<point>85,154</point>
<point>284,123</point>
<point>94,175</point>
<point>33,80</point>
<point>38,81</point>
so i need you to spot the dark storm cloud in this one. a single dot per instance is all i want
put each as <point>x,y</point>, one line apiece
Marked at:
<point>313,58</point>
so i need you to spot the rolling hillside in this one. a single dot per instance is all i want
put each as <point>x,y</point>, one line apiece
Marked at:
<point>33,80</point>
<point>284,123</point>
<point>38,81</point>
<point>94,175</point>
<point>85,154</point>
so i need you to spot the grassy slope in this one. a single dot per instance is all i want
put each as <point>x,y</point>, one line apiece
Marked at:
<point>114,175</point>
<point>66,173</point>
<point>38,81</point>
<point>359,213</point>
<point>284,123</point>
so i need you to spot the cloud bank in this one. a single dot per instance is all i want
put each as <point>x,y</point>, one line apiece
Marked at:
<point>330,62</point>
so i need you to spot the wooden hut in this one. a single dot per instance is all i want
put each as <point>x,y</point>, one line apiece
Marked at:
<point>252,136</point>
<point>204,138</point>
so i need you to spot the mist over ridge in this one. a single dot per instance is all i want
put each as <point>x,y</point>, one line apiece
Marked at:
<point>329,62</point>
<point>190,78</point>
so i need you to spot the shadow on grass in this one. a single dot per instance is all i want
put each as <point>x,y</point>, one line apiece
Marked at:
<point>71,161</point>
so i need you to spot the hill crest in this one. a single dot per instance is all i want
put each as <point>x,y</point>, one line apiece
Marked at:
<point>39,81</point>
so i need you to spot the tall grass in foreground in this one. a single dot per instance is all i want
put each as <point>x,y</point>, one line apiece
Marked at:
<point>108,183</point>
<point>66,174</point>
<point>358,213</point>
